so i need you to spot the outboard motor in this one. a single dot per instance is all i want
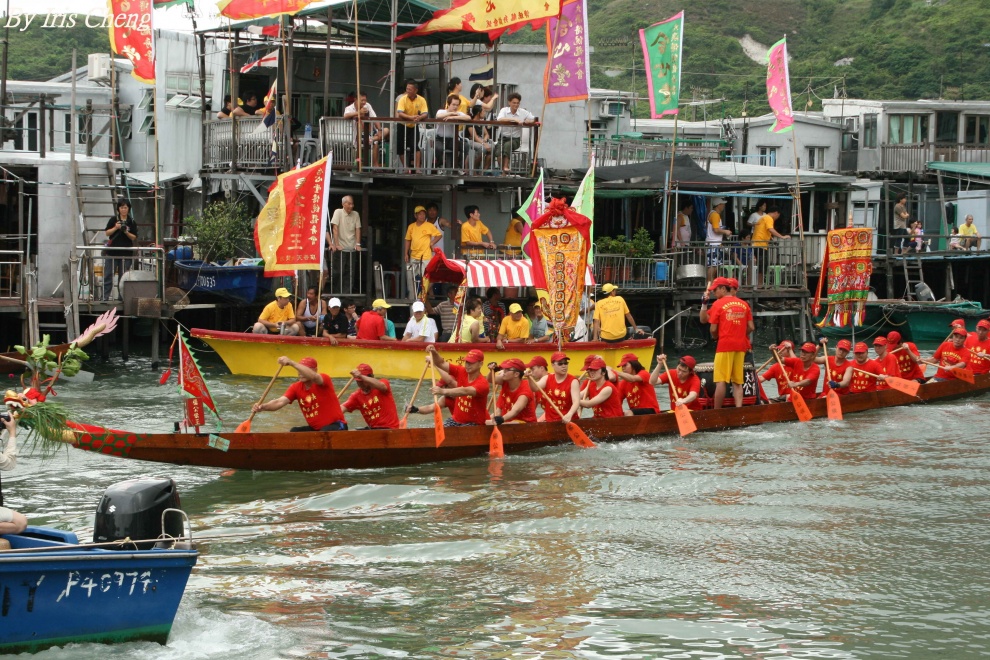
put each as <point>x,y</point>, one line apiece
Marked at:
<point>133,509</point>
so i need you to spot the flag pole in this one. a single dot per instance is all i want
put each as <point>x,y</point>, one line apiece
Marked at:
<point>668,185</point>
<point>797,198</point>
<point>357,90</point>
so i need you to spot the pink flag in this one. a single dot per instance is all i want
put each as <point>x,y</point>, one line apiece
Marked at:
<point>533,207</point>
<point>779,87</point>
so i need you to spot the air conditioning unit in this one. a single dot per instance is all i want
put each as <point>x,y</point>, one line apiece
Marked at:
<point>98,67</point>
<point>612,109</point>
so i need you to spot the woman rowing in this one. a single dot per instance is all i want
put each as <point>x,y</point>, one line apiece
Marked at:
<point>635,387</point>
<point>684,385</point>
<point>602,396</point>
<point>515,402</point>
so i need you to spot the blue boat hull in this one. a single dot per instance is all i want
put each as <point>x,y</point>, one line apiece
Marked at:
<point>68,594</point>
<point>237,283</point>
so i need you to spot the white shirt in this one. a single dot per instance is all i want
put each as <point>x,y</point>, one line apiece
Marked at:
<point>510,130</point>
<point>352,108</point>
<point>754,218</point>
<point>449,129</point>
<point>8,457</point>
<point>425,328</point>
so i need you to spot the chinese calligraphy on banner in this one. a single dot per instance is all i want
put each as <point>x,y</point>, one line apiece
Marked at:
<point>779,87</point>
<point>291,228</point>
<point>560,260</point>
<point>566,75</point>
<point>240,10</point>
<point>133,38</point>
<point>491,16</point>
<point>662,46</point>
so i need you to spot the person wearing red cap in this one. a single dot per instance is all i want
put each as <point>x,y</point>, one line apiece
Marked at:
<point>905,357</point>
<point>951,355</point>
<point>683,384</point>
<point>960,323</point>
<point>858,382</point>
<point>601,396</point>
<point>837,367</point>
<point>373,398</point>
<point>800,374</point>
<point>464,389</point>
<point>316,396</point>
<point>515,401</point>
<point>978,344</point>
<point>888,366</point>
<point>635,387</point>
<point>731,322</point>
<point>559,387</point>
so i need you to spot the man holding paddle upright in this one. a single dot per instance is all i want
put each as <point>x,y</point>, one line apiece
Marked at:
<point>731,322</point>
<point>315,394</point>
<point>463,389</point>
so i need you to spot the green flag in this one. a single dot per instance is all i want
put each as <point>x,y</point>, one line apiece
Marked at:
<point>584,203</point>
<point>662,54</point>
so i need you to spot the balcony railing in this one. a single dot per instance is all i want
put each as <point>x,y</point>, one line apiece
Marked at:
<point>654,272</point>
<point>243,143</point>
<point>97,280</point>
<point>11,269</point>
<point>914,157</point>
<point>777,266</point>
<point>624,151</point>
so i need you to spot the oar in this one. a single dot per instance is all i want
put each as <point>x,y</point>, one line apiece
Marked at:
<point>344,391</point>
<point>685,422</point>
<point>495,448</point>
<point>833,403</point>
<point>578,437</point>
<point>965,375</point>
<point>245,426</point>
<point>800,407</point>
<point>403,422</point>
<point>909,387</point>
<point>438,432</point>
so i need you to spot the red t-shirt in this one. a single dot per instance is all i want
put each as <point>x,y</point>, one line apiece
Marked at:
<point>679,390</point>
<point>979,354</point>
<point>862,382</point>
<point>560,394</point>
<point>612,406</point>
<point>906,368</point>
<point>835,371</point>
<point>795,372</point>
<point>371,325</point>
<point>469,409</point>
<point>377,408</point>
<point>947,354</point>
<point>640,395</point>
<point>507,398</point>
<point>318,403</point>
<point>732,316</point>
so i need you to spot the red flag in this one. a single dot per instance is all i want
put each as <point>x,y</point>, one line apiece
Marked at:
<point>190,379</point>
<point>240,10</point>
<point>131,36</point>
<point>291,230</point>
<point>490,16</point>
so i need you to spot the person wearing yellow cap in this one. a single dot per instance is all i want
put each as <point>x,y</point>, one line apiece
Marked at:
<point>371,325</point>
<point>421,236</point>
<point>278,317</point>
<point>514,328</point>
<point>611,315</point>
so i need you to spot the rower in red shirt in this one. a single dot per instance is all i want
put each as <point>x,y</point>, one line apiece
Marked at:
<point>464,390</point>
<point>906,356</point>
<point>602,396</point>
<point>635,386</point>
<point>857,382</point>
<point>951,355</point>
<point>888,365</point>
<point>792,373</point>
<point>978,344</point>
<point>373,398</point>
<point>560,387</point>
<point>683,384</point>
<point>515,402</point>
<point>836,367</point>
<point>961,323</point>
<point>315,394</point>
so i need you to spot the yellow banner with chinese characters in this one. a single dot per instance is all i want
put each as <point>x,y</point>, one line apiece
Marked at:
<point>491,16</point>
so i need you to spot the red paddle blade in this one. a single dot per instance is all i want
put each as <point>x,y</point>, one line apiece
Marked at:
<point>579,437</point>
<point>243,427</point>
<point>165,377</point>
<point>403,424</point>
<point>800,407</point>
<point>685,422</point>
<point>965,375</point>
<point>909,387</point>
<point>834,406</point>
<point>438,431</point>
<point>495,449</point>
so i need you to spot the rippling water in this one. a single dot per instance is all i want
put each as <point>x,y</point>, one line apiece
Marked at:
<point>863,538</point>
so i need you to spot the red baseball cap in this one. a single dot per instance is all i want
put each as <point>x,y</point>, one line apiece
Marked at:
<point>732,283</point>
<point>627,358</point>
<point>787,343</point>
<point>960,331</point>
<point>719,281</point>
<point>689,362</point>
<point>365,369</point>
<point>597,363</point>
<point>880,341</point>
<point>308,362</point>
<point>538,361</point>
<point>558,356</point>
<point>861,347</point>
<point>983,323</point>
<point>845,343</point>
<point>808,347</point>
<point>513,363</point>
<point>474,355</point>
<point>588,360</point>
<point>893,337</point>
<point>958,322</point>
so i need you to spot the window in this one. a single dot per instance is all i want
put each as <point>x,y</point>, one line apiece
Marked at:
<point>816,158</point>
<point>947,127</point>
<point>148,100</point>
<point>908,129</point>
<point>978,129</point>
<point>67,127</point>
<point>768,156</point>
<point>26,132</point>
<point>176,100</point>
<point>148,125</point>
<point>870,131</point>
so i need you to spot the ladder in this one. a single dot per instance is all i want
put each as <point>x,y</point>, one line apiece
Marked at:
<point>96,189</point>
<point>913,275</point>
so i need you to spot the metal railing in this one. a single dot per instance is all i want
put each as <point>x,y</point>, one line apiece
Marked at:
<point>11,272</point>
<point>779,265</point>
<point>634,272</point>
<point>624,151</point>
<point>346,273</point>
<point>915,157</point>
<point>243,142</point>
<point>946,244</point>
<point>98,276</point>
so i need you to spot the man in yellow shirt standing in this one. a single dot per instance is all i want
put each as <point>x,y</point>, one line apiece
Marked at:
<point>513,233</point>
<point>472,233</point>
<point>610,317</point>
<point>514,328</point>
<point>421,236</point>
<point>763,232</point>
<point>970,235</point>
<point>412,108</point>
<point>278,317</point>
<point>714,234</point>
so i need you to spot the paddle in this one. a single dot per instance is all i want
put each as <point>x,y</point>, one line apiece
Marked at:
<point>965,375</point>
<point>245,426</point>
<point>800,407</point>
<point>438,433</point>
<point>495,448</point>
<point>403,423</point>
<point>577,436</point>
<point>909,387</point>
<point>685,422</point>
<point>344,390</point>
<point>833,404</point>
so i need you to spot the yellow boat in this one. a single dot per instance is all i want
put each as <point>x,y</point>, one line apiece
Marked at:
<point>255,355</point>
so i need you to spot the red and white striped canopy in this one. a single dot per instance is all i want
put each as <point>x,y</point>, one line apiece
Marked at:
<point>482,273</point>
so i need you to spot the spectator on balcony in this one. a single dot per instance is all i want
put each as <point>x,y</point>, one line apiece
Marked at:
<point>473,233</point>
<point>421,236</point>
<point>901,217</point>
<point>372,133</point>
<point>494,310</point>
<point>442,224</point>
<point>478,144</point>
<point>413,109</point>
<point>715,232</point>
<point>121,231</point>
<point>763,233</point>
<point>969,234</point>
<point>954,240</point>
<point>682,237</point>
<point>454,88</point>
<point>446,136</point>
<point>345,228</point>
<point>484,96</point>
<point>249,108</point>
<point>510,137</point>
<point>226,110</point>
<point>757,214</point>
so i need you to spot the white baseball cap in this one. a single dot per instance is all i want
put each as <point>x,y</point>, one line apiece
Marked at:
<point>334,302</point>
<point>718,200</point>
<point>418,306</point>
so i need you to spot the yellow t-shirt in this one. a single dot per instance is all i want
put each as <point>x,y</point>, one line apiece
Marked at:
<point>475,234</point>
<point>611,314</point>
<point>415,106</point>
<point>272,313</point>
<point>514,329</point>
<point>513,235</point>
<point>761,232</point>
<point>465,104</point>
<point>420,237</point>
<point>968,230</point>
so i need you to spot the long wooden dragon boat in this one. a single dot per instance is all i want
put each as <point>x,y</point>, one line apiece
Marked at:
<point>389,448</point>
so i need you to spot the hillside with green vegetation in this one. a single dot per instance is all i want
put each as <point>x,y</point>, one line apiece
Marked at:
<point>43,53</point>
<point>891,49</point>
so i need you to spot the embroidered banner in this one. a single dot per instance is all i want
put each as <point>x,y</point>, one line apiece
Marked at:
<point>848,265</point>
<point>662,47</point>
<point>131,36</point>
<point>779,87</point>
<point>566,77</point>
<point>560,259</point>
<point>491,16</point>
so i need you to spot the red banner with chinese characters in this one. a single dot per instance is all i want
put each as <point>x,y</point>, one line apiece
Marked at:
<point>190,379</point>
<point>491,16</point>
<point>562,237</point>
<point>304,209</point>
<point>131,36</point>
<point>240,10</point>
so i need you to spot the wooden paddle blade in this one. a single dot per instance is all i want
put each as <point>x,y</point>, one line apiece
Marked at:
<point>579,437</point>
<point>438,431</point>
<point>495,449</point>
<point>834,406</point>
<point>909,387</point>
<point>801,407</point>
<point>965,375</point>
<point>685,422</point>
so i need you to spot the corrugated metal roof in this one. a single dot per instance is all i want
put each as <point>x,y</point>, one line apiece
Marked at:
<point>969,169</point>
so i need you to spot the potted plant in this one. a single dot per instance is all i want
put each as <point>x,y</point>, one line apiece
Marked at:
<point>222,231</point>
